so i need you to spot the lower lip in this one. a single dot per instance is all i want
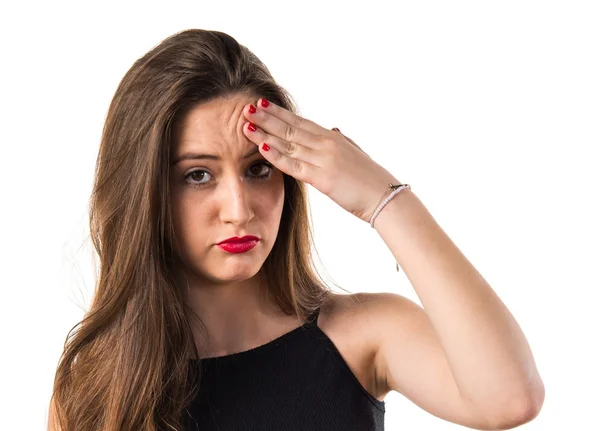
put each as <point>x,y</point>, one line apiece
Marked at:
<point>240,247</point>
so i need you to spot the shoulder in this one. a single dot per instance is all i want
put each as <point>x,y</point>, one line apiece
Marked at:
<point>408,356</point>
<point>371,311</point>
<point>355,323</point>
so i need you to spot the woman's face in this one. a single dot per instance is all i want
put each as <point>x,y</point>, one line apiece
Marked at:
<point>235,193</point>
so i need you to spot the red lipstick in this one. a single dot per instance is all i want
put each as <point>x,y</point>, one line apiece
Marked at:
<point>239,245</point>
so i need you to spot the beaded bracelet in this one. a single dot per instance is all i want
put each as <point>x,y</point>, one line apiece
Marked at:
<point>396,189</point>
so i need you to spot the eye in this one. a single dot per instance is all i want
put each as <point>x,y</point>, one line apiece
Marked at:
<point>194,178</point>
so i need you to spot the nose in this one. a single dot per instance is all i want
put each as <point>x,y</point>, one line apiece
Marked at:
<point>236,203</point>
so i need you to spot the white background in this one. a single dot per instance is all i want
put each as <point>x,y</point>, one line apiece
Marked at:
<point>490,110</point>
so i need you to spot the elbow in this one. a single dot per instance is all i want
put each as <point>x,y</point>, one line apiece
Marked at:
<point>525,409</point>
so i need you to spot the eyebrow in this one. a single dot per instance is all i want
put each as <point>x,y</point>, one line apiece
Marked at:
<point>196,156</point>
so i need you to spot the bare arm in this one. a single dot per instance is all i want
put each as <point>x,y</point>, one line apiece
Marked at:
<point>464,334</point>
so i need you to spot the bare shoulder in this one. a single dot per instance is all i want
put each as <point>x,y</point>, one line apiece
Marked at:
<point>350,321</point>
<point>360,312</point>
<point>364,325</point>
<point>390,327</point>
<point>346,311</point>
<point>409,358</point>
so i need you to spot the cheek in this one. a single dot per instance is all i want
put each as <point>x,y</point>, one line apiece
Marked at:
<point>187,215</point>
<point>271,214</point>
<point>271,204</point>
<point>192,215</point>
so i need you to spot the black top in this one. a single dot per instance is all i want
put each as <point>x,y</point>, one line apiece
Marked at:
<point>297,382</point>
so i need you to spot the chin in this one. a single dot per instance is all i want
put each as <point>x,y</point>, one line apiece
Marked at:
<point>231,272</point>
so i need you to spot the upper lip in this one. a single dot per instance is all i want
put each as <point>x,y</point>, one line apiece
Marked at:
<point>237,239</point>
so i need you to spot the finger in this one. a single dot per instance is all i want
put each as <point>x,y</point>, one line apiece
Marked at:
<point>291,118</point>
<point>279,128</point>
<point>289,149</point>
<point>296,168</point>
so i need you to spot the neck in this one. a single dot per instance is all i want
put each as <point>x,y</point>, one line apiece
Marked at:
<point>236,316</point>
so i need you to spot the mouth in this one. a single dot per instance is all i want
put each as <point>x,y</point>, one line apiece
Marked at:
<point>238,240</point>
<point>238,246</point>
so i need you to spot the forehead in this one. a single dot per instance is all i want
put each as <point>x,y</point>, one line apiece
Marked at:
<point>214,123</point>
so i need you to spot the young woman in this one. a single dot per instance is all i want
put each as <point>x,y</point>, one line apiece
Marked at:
<point>208,312</point>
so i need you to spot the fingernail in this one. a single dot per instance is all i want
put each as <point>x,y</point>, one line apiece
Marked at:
<point>264,103</point>
<point>336,129</point>
<point>265,147</point>
<point>251,127</point>
<point>252,109</point>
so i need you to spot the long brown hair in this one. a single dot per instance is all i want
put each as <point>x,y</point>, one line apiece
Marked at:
<point>126,365</point>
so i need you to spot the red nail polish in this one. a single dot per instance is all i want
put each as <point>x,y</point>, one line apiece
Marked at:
<point>266,147</point>
<point>252,109</point>
<point>264,103</point>
<point>251,127</point>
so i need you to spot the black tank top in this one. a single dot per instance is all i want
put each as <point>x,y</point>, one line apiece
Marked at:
<point>297,382</point>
